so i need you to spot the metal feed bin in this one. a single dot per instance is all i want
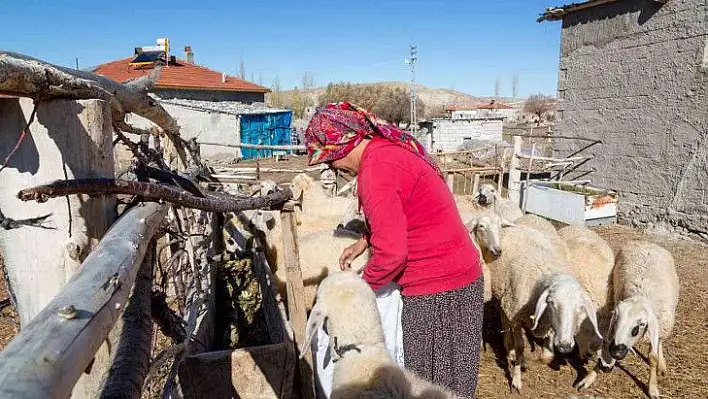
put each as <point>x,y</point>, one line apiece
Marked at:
<point>571,203</point>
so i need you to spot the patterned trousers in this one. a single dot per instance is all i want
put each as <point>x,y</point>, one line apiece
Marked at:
<point>442,335</point>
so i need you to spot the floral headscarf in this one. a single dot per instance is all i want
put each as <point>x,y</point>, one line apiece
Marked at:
<point>337,128</point>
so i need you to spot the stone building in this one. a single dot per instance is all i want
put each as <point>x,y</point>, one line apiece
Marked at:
<point>634,74</point>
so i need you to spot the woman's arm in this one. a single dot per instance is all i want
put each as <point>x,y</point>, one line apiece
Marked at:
<point>381,201</point>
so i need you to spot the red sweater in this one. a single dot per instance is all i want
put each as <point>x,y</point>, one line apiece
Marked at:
<point>417,236</point>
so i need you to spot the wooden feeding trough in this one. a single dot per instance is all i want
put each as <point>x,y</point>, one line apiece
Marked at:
<point>571,203</point>
<point>265,371</point>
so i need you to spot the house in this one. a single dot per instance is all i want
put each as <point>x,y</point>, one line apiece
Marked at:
<point>450,133</point>
<point>208,105</point>
<point>634,75</point>
<point>182,78</point>
<point>481,110</point>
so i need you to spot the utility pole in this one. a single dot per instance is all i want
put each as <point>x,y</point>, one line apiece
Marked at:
<point>411,64</point>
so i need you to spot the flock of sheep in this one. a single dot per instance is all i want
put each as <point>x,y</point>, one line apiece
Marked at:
<point>567,287</point>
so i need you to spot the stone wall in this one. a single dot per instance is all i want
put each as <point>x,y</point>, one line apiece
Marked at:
<point>448,134</point>
<point>634,74</point>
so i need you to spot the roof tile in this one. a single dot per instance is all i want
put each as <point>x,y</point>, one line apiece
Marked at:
<point>181,75</point>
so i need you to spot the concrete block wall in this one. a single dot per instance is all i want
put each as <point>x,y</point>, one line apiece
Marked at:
<point>449,133</point>
<point>634,74</point>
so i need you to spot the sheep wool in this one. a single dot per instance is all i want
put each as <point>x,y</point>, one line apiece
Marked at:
<point>362,365</point>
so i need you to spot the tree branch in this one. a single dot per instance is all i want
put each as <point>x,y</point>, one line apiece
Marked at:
<point>151,192</point>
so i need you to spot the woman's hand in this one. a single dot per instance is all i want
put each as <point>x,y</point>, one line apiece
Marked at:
<point>352,252</point>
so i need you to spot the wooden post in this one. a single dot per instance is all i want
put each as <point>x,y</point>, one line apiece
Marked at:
<point>475,185</point>
<point>297,312</point>
<point>500,181</point>
<point>49,354</point>
<point>515,173</point>
<point>451,182</point>
<point>67,139</point>
<point>528,176</point>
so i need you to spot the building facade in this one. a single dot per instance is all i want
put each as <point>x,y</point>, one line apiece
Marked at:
<point>634,75</point>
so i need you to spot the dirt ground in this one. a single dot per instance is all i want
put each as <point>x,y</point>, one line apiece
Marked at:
<point>686,351</point>
<point>9,320</point>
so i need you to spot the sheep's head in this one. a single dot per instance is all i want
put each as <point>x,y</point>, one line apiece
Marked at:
<point>486,194</point>
<point>268,187</point>
<point>328,175</point>
<point>259,219</point>
<point>631,319</point>
<point>567,306</point>
<point>301,183</point>
<point>345,306</point>
<point>486,230</point>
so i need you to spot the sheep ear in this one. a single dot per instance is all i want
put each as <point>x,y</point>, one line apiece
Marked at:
<point>314,323</point>
<point>592,314</point>
<point>653,328</point>
<point>506,223</point>
<point>540,308</point>
<point>471,224</point>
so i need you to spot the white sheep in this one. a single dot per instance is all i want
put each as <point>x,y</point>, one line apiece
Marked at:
<point>488,196</point>
<point>591,262</point>
<point>328,179</point>
<point>317,210</point>
<point>319,251</point>
<point>645,294</point>
<point>363,367</point>
<point>545,227</point>
<point>527,274</point>
<point>319,257</point>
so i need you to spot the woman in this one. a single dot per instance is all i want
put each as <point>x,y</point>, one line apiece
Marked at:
<point>417,240</point>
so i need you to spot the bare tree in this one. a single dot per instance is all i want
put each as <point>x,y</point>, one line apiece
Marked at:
<point>242,70</point>
<point>496,89</point>
<point>276,95</point>
<point>308,84</point>
<point>260,78</point>
<point>515,85</point>
<point>539,105</point>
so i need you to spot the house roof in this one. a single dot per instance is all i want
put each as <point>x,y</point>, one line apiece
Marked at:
<point>557,13</point>
<point>471,107</point>
<point>179,75</point>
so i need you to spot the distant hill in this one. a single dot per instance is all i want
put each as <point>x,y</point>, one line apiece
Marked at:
<point>434,98</point>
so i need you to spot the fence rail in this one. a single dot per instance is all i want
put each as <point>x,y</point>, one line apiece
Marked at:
<point>48,356</point>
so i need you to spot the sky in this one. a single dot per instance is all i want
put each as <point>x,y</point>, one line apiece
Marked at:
<point>462,45</point>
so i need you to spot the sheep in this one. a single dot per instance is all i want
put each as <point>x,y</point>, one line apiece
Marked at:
<point>487,195</point>
<point>527,274</point>
<point>319,257</point>
<point>328,179</point>
<point>645,293</point>
<point>319,251</point>
<point>317,211</point>
<point>363,367</point>
<point>591,261</point>
<point>545,227</point>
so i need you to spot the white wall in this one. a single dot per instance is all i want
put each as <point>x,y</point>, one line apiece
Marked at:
<point>207,126</point>
<point>449,133</point>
